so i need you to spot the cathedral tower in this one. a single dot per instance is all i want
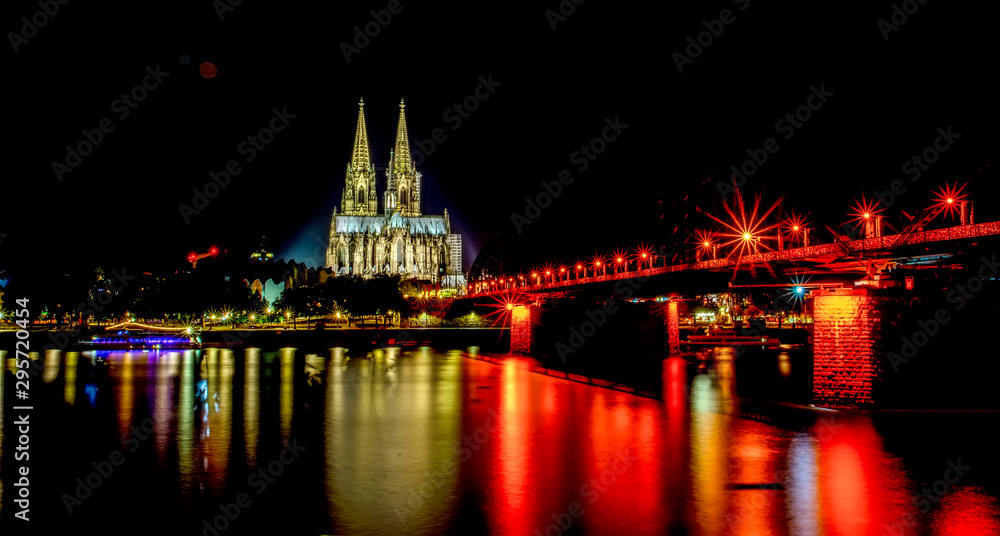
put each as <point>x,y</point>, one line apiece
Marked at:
<point>359,197</point>
<point>403,189</point>
<point>403,241</point>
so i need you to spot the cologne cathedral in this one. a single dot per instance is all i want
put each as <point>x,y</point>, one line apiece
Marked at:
<point>399,239</point>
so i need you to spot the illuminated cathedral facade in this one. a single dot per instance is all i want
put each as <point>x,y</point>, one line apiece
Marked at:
<point>399,239</point>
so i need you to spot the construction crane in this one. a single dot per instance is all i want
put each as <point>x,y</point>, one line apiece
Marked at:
<point>194,257</point>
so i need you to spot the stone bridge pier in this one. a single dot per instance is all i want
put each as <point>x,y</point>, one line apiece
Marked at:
<point>846,343</point>
<point>853,328</point>
<point>520,329</point>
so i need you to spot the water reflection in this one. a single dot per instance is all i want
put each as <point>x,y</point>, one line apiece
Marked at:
<point>390,441</point>
<point>967,511</point>
<point>423,442</point>
<point>251,405</point>
<point>69,389</point>
<point>214,400</point>
<point>163,410</point>
<point>8,365</point>
<point>861,488</point>
<point>125,392</point>
<point>185,426</point>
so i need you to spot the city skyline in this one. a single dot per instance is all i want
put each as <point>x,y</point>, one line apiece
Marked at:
<point>513,97</point>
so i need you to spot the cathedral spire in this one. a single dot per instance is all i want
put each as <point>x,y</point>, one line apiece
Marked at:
<point>401,158</point>
<point>360,156</point>
<point>359,193</point>
<point>403,181</point>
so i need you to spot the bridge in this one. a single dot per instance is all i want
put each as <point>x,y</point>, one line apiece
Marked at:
<point>859,306</point>
<point>867,255</point>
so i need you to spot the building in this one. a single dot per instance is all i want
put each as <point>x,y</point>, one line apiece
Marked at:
<point>262,254</point>
<point>399,239</point>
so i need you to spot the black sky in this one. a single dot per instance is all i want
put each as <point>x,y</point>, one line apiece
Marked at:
<point>556,89</point>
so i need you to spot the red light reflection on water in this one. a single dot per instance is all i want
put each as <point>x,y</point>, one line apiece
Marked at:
<point>641,466</point>
<point>966,511</point>
<point>861,489</point>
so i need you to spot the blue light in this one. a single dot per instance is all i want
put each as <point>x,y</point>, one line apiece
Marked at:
<point>799,290</point>
<point>91,391</point>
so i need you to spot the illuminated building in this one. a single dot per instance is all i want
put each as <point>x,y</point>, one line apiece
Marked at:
<point>400,240</point>
<point>262,254</point>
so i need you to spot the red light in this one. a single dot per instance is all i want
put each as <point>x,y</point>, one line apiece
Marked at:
<point>950,200</point>
<point>213,251</point>
<point>578,267</point>
<point>207,70</point>
<point>510,306</point>
<point>619,259</point>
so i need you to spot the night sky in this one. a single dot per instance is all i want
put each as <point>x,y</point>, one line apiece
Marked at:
<point>553,92</point>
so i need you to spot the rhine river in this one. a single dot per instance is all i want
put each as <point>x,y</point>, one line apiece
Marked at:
<point>289,441</point>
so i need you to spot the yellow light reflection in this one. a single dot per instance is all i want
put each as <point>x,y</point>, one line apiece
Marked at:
<point>3,374</point>
<point>185,423</point>
<point>251,405</point>
<point>784,364</point>
<point>69,389</point>
<point>162,410</point>
<point>709,443</point>
<point>404,430</point>
<point>221,415</point>
<point>287,396</point>
<point>126,394</point>
<point>51,370</point>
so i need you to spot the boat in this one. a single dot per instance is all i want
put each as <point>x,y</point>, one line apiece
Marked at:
<point>128,339</point>
<point>728,337</point>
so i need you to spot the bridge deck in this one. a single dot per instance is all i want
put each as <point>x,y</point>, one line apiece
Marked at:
<point>832,250</point>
